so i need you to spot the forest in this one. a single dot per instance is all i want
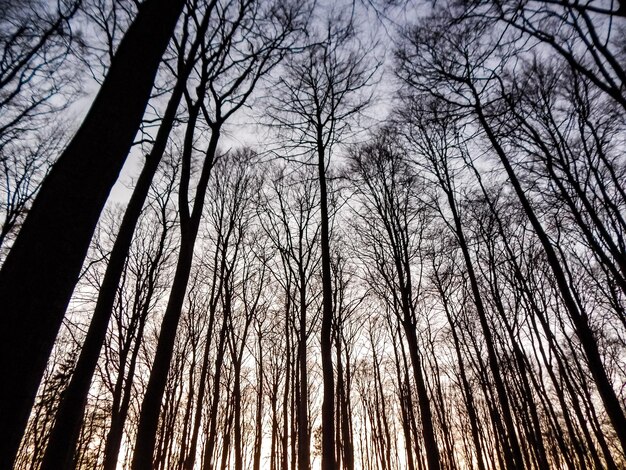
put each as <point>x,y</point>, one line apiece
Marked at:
<point>312,234</point>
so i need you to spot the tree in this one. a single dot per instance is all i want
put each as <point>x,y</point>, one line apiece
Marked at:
<point>323,90</point>
<point>458,70</point>
<point>69,416</point>
<point>235,55</point>
<point>292,224</point>
<point>51,246</point>
<point>396,220</point>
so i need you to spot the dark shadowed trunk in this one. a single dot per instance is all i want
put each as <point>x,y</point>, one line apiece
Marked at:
<point>70,413</point>
<point>53,241</point>
<point>328,403</point>
<point>149,417</point>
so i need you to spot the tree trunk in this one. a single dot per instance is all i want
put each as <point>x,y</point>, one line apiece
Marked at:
<point>70,413</point>
<point>238,465</point>
<point>118,419</point>
<point>41,270</point>
<point>149,416</point>
<point>258,436</point>
<point>328,402</point>
<point>284,459</point>
<point>428,432</point>
<point>304,450</point>
<point>212,426</point>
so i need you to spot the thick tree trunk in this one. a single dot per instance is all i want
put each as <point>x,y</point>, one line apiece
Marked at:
<point>70,413</point>
<point>41,270</point>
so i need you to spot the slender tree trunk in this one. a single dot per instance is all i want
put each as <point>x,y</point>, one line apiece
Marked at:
<point>583,330</point>
<point>225,447</point>
<point>405,401</point>
<point>149,416</point>
<point>304,446</point>
<point>41,270</point>
<point>218,282</point>
<point>343,425</point>
<point>118,419</point>
<point>238,450</point>
<point>188,417</point>
<point>285,438</point>
<point>428,432</point>
<point>328,402</point>
<point>191,457</point>
<point>295,393</point>
<point>258,437</point>
<point>212,426</point>
<point>274,439</point>
<point>466,389</point>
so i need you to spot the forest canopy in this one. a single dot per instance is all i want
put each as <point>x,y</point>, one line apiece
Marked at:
<point>280,234</point>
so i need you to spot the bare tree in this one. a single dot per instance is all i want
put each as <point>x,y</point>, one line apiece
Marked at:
<point>396,220</point>
<point>322,91</point>
<point>236,54</point>
<point>54,238</point>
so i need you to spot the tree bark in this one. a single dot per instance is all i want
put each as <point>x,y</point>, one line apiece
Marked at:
<point>70,413</point>
<point>41,270</point>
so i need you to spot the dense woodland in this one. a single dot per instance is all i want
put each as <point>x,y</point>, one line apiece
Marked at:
<point>280,234</point>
